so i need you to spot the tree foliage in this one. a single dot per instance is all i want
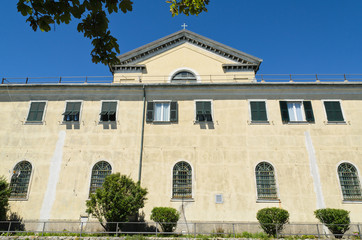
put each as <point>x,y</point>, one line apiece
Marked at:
<point>119,199</point>
<point>336,220</point>
<point>94,19</point>
<point>272,220</point>
<point>167,218</point>
<point>4,198</point>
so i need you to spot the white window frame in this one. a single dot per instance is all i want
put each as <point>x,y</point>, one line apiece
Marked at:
<point>44,112</point>
<point>154,110</point>
<point>80,112</point>
<point>266,109</point>
<point>212,110</point>
<point>325,111</point>
<point>100,110</point>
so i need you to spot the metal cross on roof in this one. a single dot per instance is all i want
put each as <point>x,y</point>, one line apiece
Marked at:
<point>184,26</point>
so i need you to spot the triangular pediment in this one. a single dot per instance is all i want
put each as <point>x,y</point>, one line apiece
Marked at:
<point>240,59</point>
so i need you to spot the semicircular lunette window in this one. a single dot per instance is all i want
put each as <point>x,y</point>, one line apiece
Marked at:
<point>184,77</point>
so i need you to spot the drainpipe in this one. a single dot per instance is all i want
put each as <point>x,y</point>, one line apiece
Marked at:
<point>142,135</point>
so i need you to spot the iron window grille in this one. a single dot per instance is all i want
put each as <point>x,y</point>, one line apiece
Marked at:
<point>99,173</point>
<point>108,112</point>
<point>349,180</point>
<point>72,111</point>
<point>36,112</point>
<point>265,181</point>
<point>182,180</point>
<point>20,179</point>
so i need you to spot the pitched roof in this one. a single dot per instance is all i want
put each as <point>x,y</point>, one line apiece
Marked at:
<point>241,59</point>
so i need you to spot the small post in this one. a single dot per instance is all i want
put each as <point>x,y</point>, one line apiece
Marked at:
<point>276,230</point>
<point>194,230</point>
<point>319,235</point>
<point>234,230</point>
<point>2,81</point>
<point>27,79</point>
<point>262,78</point>
<point>117,230</point>
<point>86,80</point>
<point>81,229</point>
<point>316,77</point>
<point>359,231</point>
<point>60,79</point>
<point>156,229</point>
<point>290,77</point>
<point>9,228</point>
<point>42,231</point>
<point>345,79</point>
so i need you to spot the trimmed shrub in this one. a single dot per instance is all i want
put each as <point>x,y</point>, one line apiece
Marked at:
<point>167,218</point>
<point>272,220</point>
<point>336,220</point>
<point>4,198</point>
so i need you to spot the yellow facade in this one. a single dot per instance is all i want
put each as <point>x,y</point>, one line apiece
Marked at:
<point>223,153</point>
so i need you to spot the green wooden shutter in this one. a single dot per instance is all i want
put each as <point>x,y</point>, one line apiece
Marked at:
<point>284,111</point>
<point>149,115</point>
<point>334,111</point>
<point>173,112</point>
<point>36,112</point>
<point>207,111</point>
<point>200,111</point>
<point>258,111</point>
<point>308,110</point>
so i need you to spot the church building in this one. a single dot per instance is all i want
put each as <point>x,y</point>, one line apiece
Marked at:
<point>187,117</point>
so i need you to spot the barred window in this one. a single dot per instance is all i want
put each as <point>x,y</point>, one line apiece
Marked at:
<point>182,180</point>
<point>99,173</point>
<point>349,180</point>
<point>184,77</point>
<point>265,181</point>
<point>19,183</point>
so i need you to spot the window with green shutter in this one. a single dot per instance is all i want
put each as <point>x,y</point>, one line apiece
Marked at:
<point>108,112</point>
<point>160,111</point>
<point>203,111</point>
<point>72,111</point>
<point>36,112</point>
<point>333,111</point>
<point>296,111</point>
<point>258,111</point>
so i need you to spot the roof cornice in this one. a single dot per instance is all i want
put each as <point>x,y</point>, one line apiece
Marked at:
<point>183,36</point>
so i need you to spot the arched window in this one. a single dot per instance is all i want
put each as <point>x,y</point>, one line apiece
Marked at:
<point>184,76</point>
<point>20,179</point>
<point>99,173</point>
<point>265,181</point>
<point>350,185</point>
<point>182,180</point>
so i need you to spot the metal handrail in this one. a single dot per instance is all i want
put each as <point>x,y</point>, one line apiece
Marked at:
<point>259,78</point>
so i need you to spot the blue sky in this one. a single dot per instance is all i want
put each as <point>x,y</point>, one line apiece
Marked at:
<point>291,36</point>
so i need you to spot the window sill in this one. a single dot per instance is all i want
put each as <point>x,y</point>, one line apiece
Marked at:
<point>18,199</point>
<point>182,200</point>
<point>352,201</point>
<point>259,123</point>
<point>268,200</point>
<point>34,123</point>
<point>298,123</point>
<point>70,122</point>
<point>336,123</point>
<point>203,122</point>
